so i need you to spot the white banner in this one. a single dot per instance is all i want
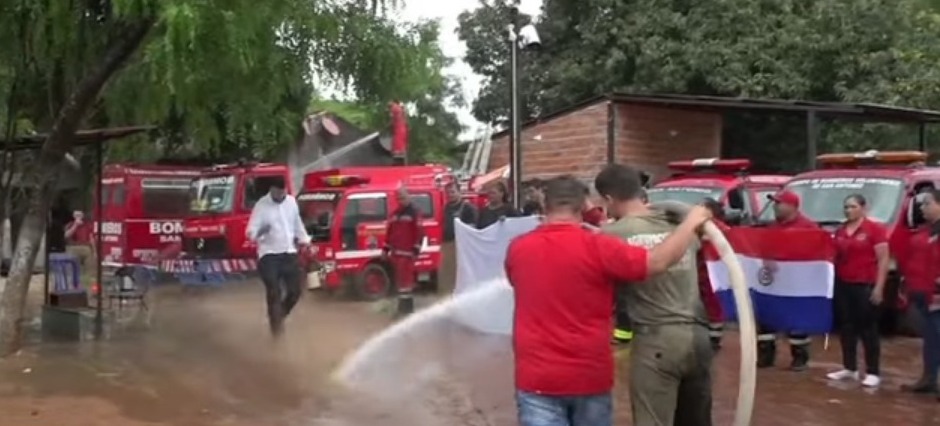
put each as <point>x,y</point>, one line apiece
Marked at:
<point>481,254</point>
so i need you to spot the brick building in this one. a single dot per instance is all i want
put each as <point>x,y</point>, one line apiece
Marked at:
<point>648,131</point>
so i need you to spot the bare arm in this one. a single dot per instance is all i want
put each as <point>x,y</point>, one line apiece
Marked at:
<point>884,264</point>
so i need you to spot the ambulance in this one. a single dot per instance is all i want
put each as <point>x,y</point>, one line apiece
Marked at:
<point>889,181</point>
<point>220,202</point>
<point>346,213</point>
<point>144,207</point>
<point>725,180</point>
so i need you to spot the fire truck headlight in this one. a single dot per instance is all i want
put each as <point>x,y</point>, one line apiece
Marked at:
<point>222,229</point>
<point>329,266</point>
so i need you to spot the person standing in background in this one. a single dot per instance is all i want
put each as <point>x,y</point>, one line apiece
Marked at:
<point>402,246</point>
<point>920,264</point>
<point>456,209</point>
<point>534,199</point>
<point>787,216</point>
<point>79,236</point>
<point>276,226</point>
<point>497,206</point>
<point>862,263</point>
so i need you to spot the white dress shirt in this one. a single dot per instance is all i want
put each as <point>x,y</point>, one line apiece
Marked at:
<point>285,227</point>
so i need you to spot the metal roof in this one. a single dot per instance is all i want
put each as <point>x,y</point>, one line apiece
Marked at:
<point>82,138</point>
<point>869,112</point>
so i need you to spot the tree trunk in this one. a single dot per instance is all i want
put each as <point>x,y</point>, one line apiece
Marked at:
<point>44,175</point>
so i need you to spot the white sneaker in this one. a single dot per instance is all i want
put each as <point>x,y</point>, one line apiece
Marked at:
<point>844,375</point>
<point>871,381</point>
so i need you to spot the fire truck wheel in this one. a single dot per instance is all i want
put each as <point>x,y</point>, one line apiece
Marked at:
<point>373,283</point>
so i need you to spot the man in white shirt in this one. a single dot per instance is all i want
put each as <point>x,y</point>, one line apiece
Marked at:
<point>277,228</point>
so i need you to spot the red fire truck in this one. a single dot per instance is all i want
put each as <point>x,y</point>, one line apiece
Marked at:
<point>144,208</point>
<point>221,199</point>
<point>725,180</point>
<point>889,181</point>
<point>346,211</point>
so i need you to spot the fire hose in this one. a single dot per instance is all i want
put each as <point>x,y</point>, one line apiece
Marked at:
<point>742,298</point>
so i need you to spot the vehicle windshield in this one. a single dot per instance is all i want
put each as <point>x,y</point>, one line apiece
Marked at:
<point>685,194</point>
<point>213,194</point>
<point>165,198</point>
<point>317,210</point>
<point>821,199</point>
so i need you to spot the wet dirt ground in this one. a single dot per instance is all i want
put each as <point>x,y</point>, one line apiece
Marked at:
<point>207,360</point>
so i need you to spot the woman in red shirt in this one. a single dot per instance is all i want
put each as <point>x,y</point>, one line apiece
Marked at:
<point>921,267</point>
<point>861,265</point>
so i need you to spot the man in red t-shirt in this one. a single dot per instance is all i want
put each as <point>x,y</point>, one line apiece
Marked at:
<point>788,216</point>
<point>78,237</point>
<point>563,278</point>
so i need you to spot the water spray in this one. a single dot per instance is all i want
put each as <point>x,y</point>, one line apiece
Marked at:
<point>352,367</point>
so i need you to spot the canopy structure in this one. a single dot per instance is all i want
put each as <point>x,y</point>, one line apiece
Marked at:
<point>82,138</point>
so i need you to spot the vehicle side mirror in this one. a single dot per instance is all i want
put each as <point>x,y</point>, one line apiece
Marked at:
<point>915,217</point>
<point>735,216</point>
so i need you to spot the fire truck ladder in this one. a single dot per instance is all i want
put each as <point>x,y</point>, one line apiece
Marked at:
<point>477,158</point>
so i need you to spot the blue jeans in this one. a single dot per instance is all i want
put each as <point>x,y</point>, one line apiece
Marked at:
<point>931,333</point>
<point>550,410</point>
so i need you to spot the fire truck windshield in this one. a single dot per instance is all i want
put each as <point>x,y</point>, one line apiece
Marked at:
<point>317,211</point>
<point>213,194</point>
<point>164,198</point>
<point>821,199</point>
<point>685,194</point>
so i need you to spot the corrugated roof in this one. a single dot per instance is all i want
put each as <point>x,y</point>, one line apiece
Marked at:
<point>82,137</point>
<point>869,112</point>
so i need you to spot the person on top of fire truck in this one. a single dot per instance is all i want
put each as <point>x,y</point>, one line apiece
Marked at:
<point>402,246</point>
<point>787,216</point>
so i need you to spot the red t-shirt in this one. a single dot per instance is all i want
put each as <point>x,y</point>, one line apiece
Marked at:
<point>563,278</point>
<point>594,216</point>
<point>82,234</point>
<point>920,261</point>
<point>856,261</point>
<point>799,222</point>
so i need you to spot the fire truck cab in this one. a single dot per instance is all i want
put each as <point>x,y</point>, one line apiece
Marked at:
<point>889,181</point>
<point>221,200</point>
<point>346,212</point>
<point>724,180</point>
<point>143,211</point>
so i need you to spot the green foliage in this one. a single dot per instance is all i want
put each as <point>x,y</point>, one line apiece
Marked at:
<point>880,51</point>
<point>228,78</point>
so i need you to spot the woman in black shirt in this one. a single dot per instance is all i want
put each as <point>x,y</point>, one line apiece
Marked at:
<point>497,206</point>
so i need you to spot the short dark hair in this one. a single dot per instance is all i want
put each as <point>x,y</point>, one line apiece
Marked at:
<point>565,193</point>
<point>620,182</point>
<point>277,182</point>
<point>858,198</point>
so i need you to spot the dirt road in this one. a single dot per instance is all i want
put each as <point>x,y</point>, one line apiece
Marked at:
<point>207,360</point>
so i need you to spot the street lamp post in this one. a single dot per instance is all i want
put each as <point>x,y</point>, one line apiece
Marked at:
<point>519,38</point>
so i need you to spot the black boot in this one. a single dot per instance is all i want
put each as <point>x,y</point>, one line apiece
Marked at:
<point>921,386</point>
<point>800,354</point>
<point>766,354</point>
<point>406,305</point>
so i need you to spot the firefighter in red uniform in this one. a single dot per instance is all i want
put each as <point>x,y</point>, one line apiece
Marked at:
<point>716,325</point>
<point>402,246</point>
<point>788,216</point>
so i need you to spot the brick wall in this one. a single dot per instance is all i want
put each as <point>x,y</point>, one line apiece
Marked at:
<point>574,143</point>
<point>650,137</point>
<point>646,137</point>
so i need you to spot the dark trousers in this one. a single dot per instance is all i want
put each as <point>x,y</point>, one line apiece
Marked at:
<point>930,330</point>
<point>281,276</point>
<point>859,321</point>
